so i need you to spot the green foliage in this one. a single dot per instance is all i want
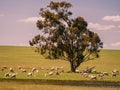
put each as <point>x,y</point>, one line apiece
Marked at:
<point>65,37</point>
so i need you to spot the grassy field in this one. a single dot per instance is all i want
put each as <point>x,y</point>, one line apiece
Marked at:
<point>13,56</point>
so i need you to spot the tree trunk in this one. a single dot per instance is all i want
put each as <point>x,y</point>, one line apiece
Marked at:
<point>73,69</point>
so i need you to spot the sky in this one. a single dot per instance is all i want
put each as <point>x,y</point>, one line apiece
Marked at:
<point>18,20</point>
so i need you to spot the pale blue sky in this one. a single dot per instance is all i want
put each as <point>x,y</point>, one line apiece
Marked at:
<point>17,19</point>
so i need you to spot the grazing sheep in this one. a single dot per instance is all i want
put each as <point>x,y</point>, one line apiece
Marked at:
<point>115,73</point>
<point>11,70</point>
<point>29,74</point>
<point>85,74</point>
<point>77,71</point>
<point>93,77</point>
<point>105,73</point>
<point>13,75</point>
<point>19,67</point>
<point>100,76</point>
<point>49,74</point>
<point>3,68</point>
<point>94,71</point>
<point>52,68</point>
<point>7,75</point>
<point>33,69</point>
<point>24,70</point>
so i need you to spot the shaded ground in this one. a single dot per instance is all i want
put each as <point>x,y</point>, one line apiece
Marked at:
<point>63,82</point>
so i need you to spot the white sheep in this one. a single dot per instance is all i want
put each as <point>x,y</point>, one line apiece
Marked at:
<point>33,69</point>
<point>105,73</point>
<point>115,73</point>
<point>49,74</point>
<point>7,75</point>
<point>85,74</point>
<point>93,77</point>
<point>13,75</point>
<point>11,70</point>
<point>24,70</point>
<point>77,71</point>
<point>52,68</point>
<point>100,76</point>
<point>29,74</point>
<point>3,68</point>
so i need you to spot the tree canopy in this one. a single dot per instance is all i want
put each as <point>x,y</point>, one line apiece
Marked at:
<point>65,37</point>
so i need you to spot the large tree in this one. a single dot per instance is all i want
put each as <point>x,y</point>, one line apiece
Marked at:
<point>65,37</point>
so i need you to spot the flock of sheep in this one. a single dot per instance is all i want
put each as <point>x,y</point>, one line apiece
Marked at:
<point>87,73</point>
<point>94,75</point>
<point>12,73</point>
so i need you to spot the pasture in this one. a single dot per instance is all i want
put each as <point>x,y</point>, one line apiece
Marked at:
<point>14,56</point>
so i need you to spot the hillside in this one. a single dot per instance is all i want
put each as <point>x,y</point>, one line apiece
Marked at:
<point>25,56</point>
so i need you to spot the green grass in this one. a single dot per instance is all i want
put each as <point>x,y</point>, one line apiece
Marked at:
<point>25,56</point>
<point>14,56</point>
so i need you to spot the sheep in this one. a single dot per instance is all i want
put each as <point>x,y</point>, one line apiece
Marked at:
<point>19,67</point>
<point>52,68</point>
<point>115,73</point>
<point>11,70</point>
<point>105,73</point>
<point>7,75</point>
<point>3,68</point>
<point>33,69</point>
<point>93,77</point>
<point>49,74</point>
<point>24,70</point>
<point>85,74</point>
<point>29,74</point>
<point>100,76</point>
<point>77,71</point>
<point>13,75</point>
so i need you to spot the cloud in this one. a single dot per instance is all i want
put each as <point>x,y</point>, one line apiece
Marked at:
<point>98,26</point>
<point>117,44</point>
<point>30,19</point>
<point>112,18</point>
